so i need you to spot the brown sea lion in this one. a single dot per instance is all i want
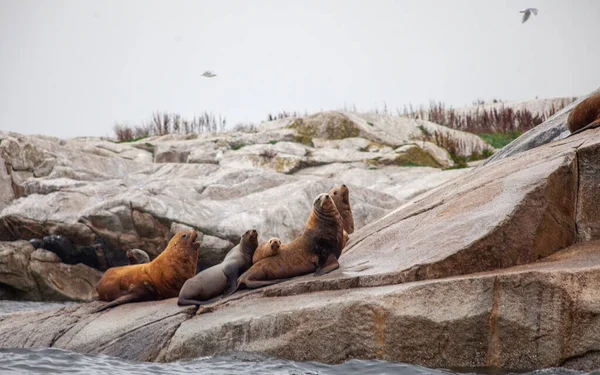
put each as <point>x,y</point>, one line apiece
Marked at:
<point>341,198</point>
<point>219,280</point>
<point>137,256</point>
<point>585,115</point>
<point>162,278</point>
<point>266,249</point>
<point>316,250</point>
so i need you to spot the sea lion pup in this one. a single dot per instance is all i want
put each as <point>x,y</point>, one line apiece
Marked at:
<point>585,115</point>
<point>219,280</point>
<point>341,198</point>
<point>266,249</point>
<point>316,250</point>
<point>162,278</point>
<point>137,256</point>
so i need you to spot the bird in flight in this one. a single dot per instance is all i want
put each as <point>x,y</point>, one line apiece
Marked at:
<point>208,74</point>
<point>527,13</point>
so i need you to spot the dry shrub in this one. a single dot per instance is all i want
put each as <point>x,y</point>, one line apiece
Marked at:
<point>163,123</point>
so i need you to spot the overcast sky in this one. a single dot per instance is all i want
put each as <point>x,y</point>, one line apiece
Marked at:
<point>72,68</point>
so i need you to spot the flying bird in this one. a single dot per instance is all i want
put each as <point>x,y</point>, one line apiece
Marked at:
<point>208,74</point>
<point>527,13</point>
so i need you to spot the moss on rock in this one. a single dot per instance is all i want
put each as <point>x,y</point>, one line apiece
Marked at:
<point>325,125</point>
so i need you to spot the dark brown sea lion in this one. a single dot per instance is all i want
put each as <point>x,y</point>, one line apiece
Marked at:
<point>316,250</point>
<point>137,256</point>
<point>221,279</point>
<point>266,249</point>
<point>162,278</point>
<point>585,115</point>
<point>341,198</point>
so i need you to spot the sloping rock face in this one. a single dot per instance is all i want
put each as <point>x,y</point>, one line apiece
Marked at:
<point>108,198</point>
<point>554,128</point>
<point>497,268</point>
<point>37,274</point>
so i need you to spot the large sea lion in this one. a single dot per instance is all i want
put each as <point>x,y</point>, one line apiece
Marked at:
<point>266,249</point>
<point>137,256</point>
<point>585,115</point>
<point>341,198</point>
<point>162,278</point>
<point>316,250</point>
<point>220,279</point>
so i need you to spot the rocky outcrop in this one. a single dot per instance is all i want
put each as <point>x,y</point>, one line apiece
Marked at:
<point>107,198</point>
<point>496,268</point>
<point>39,275</point>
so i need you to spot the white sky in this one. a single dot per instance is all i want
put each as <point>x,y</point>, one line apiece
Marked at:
<point>72,68</point>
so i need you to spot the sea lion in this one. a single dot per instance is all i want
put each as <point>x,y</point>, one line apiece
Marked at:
<point>341,198</point>
<point>137,256</point>
<point>266,249</point>
<point>585,115</point>
<point>162,278</point>
<point>220,279</point>
<point>316,250</point>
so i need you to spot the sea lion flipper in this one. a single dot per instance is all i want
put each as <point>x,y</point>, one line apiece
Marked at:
<point>126,298</point>
<point>231,286</point>
<point>330,265</point>
<point>591,125</point>
<point>188,302</point>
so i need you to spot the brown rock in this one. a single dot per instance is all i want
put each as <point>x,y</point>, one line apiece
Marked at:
<point>37,274</point>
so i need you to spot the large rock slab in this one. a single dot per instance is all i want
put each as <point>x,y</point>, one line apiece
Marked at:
<point>534,316</point>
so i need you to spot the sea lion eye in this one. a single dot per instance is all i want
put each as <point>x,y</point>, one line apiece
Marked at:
<point>184,235</point>
<point>335,193</point>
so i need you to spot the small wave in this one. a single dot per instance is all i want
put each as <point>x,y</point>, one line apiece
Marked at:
<point>52,361</point>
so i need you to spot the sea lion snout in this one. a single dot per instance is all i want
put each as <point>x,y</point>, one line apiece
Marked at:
<point>325,199</point>
<point>192,237</point>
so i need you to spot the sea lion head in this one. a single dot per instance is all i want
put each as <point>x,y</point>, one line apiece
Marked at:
<point>249,243</point>
<point>187,239</point>
<point>137,256</point>
<point>275,243</point>
<point>324,203</point>
<point>340,193</point>
<point>250,237</point>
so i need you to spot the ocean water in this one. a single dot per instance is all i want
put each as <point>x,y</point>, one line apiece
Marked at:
<point>58,361</point>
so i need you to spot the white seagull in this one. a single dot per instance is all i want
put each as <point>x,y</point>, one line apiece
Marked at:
<point>208,74</point>
<point>527,12</point>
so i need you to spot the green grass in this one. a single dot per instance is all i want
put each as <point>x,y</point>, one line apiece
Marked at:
<point>499,140</point>
<point>412,164</point>
<point>423,130</point>
<point>272,142</point>
<point>131,140</point>
<point>237,147</point>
